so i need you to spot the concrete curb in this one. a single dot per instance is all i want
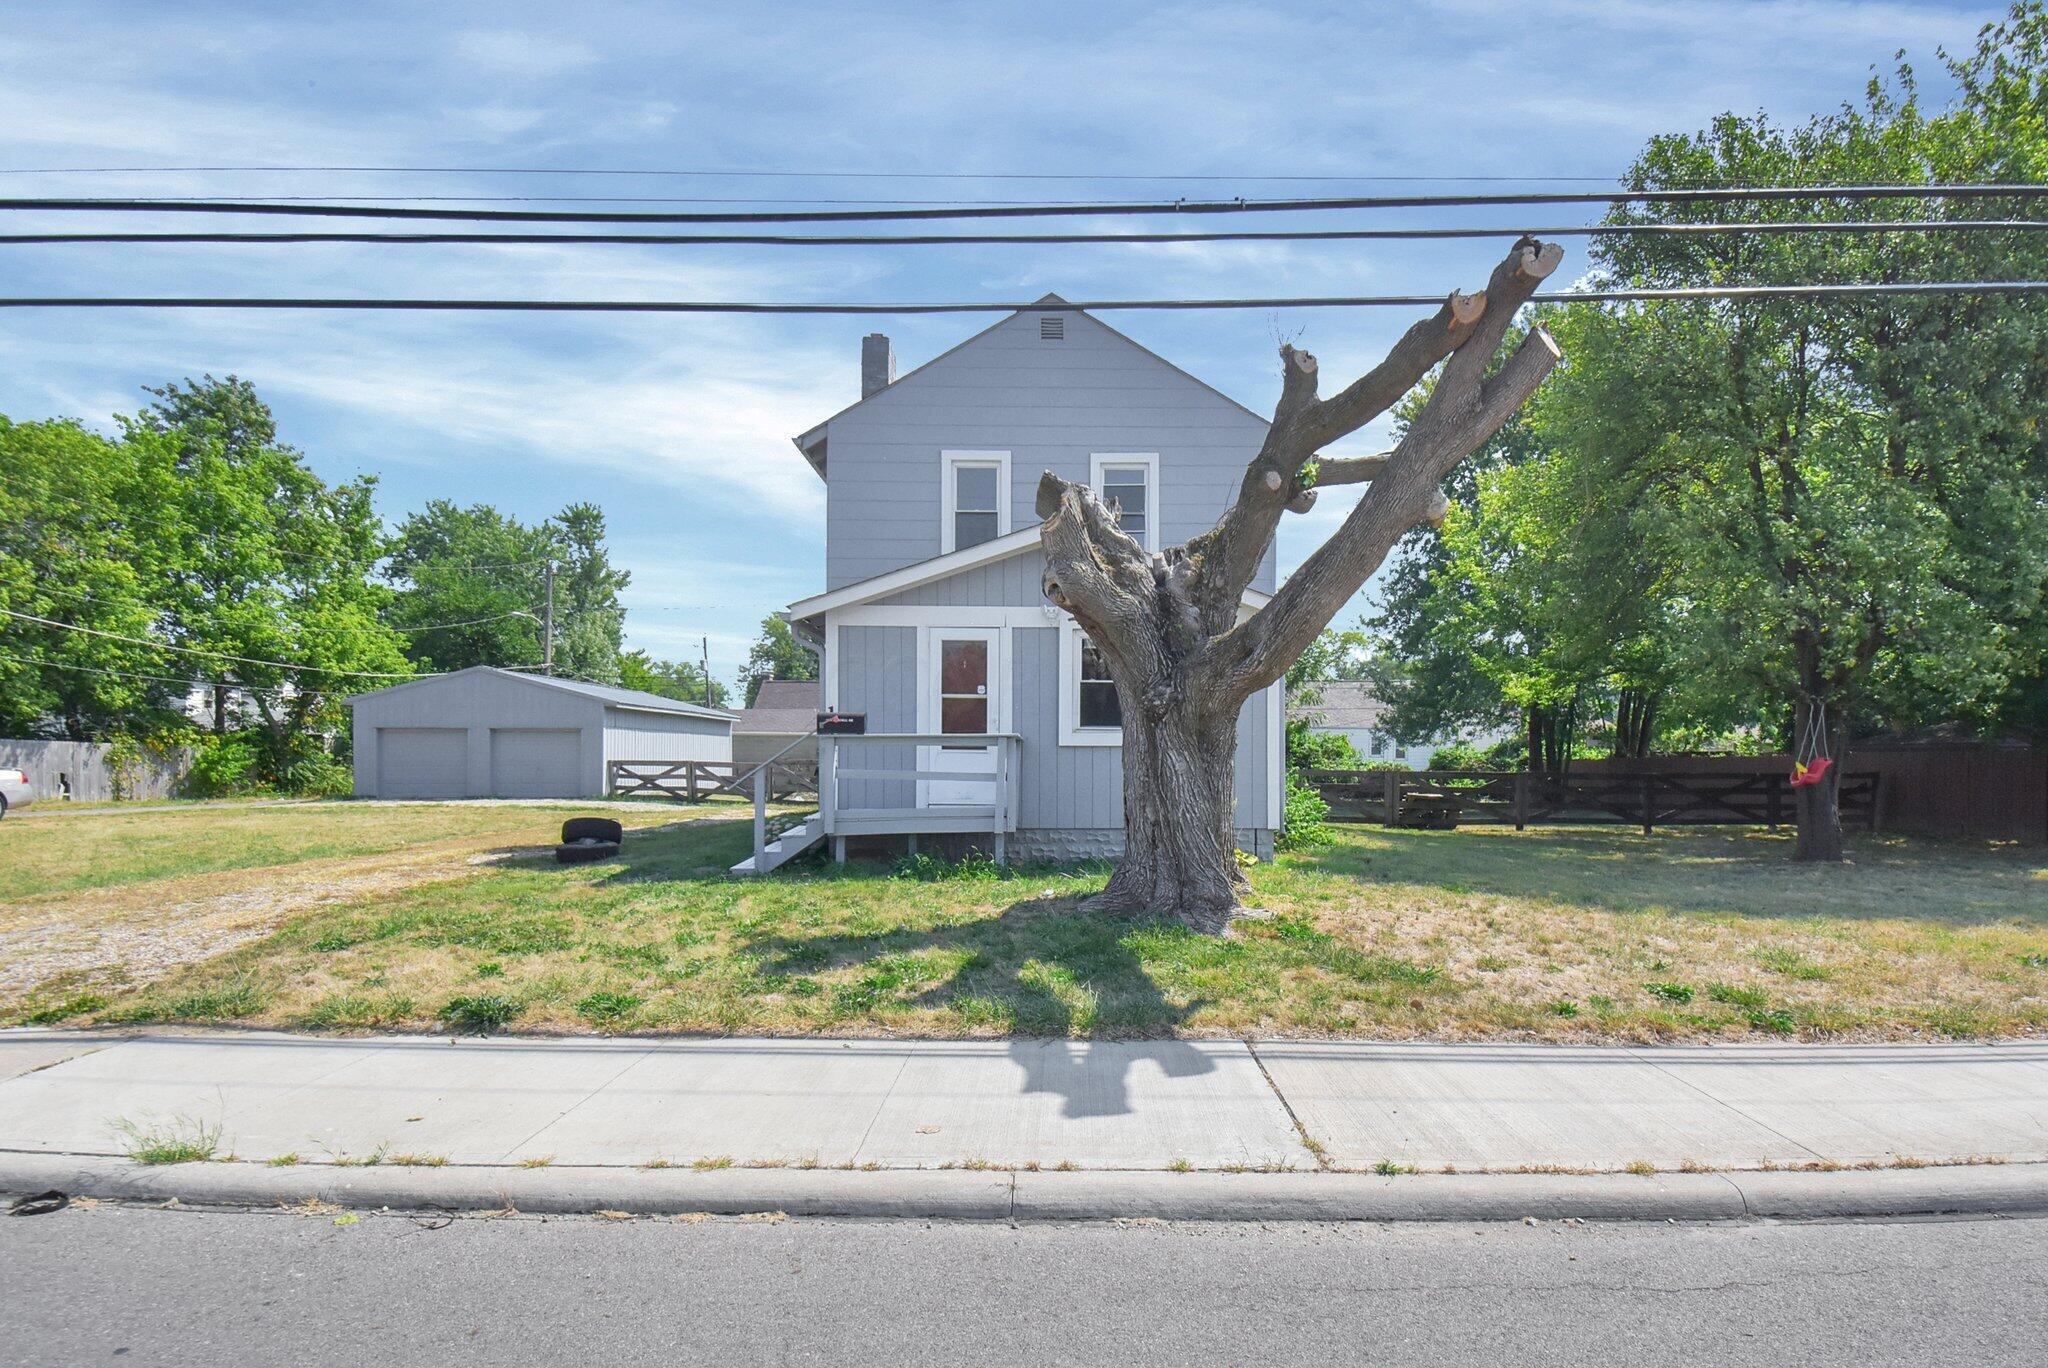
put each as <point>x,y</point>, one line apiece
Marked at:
<point>951,1194</point>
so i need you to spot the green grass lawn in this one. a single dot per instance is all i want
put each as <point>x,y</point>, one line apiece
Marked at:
<point>103,846</point>
<point>1558,934</point>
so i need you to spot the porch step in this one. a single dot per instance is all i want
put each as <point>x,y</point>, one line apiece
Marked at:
<point>785,847</point>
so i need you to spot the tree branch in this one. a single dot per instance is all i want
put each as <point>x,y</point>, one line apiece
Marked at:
<point>1224,559</point>
<point>1463,411</point>
<point>1093,568</point>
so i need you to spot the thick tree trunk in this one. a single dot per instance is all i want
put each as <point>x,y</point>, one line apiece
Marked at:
<point>1552,734</point>
<point>1816,810</point>
<point>1172,627</point>
<point>1635,722</point>
<point>1180,830</point>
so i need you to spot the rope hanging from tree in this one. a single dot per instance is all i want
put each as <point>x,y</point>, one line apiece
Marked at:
<point>1813,761</point>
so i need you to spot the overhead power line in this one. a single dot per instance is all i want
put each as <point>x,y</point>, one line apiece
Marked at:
<point>692,306</point>
<point>193,650</point>
<point>1713,195</point>
<point>466,622</point>
<point>1935,226</point>
<point>131,674</point>
<point>739,174</point>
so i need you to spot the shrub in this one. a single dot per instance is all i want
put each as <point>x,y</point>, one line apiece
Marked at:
<point>1318,750</point>
<point>1462,755</point>
<point>480,1014</point>
<point>225,767</point>
<point>245,763</point>
<point>1308,817</point>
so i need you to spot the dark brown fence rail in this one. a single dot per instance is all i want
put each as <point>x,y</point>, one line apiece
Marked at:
<point>689,781</point>
<point>1645,798</point>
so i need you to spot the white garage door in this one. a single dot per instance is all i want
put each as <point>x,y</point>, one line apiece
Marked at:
<point>536,763</point>
<point>422,762</point>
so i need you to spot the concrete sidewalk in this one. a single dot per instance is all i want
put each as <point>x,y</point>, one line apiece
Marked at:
<point>424,1108</point>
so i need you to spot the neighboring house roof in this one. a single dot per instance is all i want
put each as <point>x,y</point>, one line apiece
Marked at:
<point>938,568</point>
<point>1346,705</point>
<point>812,443</point>
<point>607,694</point>
<point>783,707</point>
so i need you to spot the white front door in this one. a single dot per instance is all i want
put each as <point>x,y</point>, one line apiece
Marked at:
<point>963,667</point>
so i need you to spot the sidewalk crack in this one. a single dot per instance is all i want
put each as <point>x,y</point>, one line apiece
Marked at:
<point>570,1110</point>
<point>1314,1146</point>
<point>883,1106</point>
<point>1653,1062</point>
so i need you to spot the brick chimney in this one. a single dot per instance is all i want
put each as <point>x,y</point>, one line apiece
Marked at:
<point>877,364</point>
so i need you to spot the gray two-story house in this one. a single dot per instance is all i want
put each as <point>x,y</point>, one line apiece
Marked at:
<point>987,715</point>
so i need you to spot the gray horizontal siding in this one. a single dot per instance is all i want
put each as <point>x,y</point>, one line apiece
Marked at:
<point>878,676</point>
<point>1051,405</point>
<point>1062,786</point>
<point>1013,582</point>
<point>1059,787</point>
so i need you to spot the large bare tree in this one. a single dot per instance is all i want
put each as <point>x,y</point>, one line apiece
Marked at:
<point>1167,625</point>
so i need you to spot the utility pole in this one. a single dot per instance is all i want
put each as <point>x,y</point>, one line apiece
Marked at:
<point>547,627</point>
<point>707,672</point>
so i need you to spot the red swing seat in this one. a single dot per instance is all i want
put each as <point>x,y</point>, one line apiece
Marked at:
<point>1806,776</point>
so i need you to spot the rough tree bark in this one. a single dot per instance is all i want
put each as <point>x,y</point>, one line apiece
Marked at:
<point>1816,809</point>
<point>1168,626</point>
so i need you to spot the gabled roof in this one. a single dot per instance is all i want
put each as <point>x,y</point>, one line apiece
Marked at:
<point>812,443</point>
<point>609,695</point>
<point>938,568</point>
<point>1345,705</point>
<point>784,707</point>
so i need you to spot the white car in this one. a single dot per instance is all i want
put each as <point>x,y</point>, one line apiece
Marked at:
<point>14,790</point>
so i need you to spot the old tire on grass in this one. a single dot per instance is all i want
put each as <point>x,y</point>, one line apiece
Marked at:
<point>584,852</point>
<point>592,829</point>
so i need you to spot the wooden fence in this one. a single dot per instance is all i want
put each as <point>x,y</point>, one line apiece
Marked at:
<point>690,781</point>
<point>1645,798</point>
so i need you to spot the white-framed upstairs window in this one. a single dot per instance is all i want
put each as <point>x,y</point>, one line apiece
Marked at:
<point>975,498</point>
<point>1091,714</point>
<point>1127,482</point>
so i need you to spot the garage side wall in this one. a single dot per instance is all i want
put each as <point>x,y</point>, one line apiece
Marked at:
<point>634,735</point>
<point>476,704</point>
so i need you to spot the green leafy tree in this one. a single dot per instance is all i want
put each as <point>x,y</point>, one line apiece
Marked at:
<point>680,679</point>
<point>86,540</point>
<point>1727,514</point>
<point>776,654</point>
<point>1855,488</point>
<point>269,593</point>
<point>472,584</point>
<point>473,590</point>
<point>589,620</point>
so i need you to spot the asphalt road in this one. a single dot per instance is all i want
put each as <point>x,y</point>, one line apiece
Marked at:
<point>143,1286</point>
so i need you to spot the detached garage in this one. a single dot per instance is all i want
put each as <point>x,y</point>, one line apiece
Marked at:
<point>490,733</point>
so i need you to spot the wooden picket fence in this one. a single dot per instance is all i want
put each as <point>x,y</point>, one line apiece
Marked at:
<point>1648,799</point>
<point>690,781</point>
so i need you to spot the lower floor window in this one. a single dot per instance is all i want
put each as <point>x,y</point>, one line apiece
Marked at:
<point>1099,704</point>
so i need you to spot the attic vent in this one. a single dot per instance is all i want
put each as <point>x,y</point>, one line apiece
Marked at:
<point>1052,328</point>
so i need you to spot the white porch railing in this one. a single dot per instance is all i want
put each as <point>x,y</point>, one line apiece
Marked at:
<point>848,760</point>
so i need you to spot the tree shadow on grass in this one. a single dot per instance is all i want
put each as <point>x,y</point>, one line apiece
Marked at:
<point>1702,871</point>
<point>1039,971</point>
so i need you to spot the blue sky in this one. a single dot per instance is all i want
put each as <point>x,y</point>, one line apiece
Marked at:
<point>679,426</point>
